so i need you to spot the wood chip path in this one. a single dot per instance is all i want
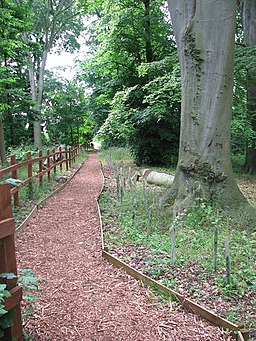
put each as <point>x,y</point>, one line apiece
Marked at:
<point>83,297</point>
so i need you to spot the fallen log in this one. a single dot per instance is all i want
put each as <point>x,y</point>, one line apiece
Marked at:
<point>157,178</point>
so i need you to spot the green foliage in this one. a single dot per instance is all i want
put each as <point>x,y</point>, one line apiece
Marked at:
<point>30,285</point>
<point>134,76</point>
<point>242,131</point>
<point>5,322</point>
<point>66,116</point>
<point>3,294</point>
<point>15,104</point>
<point>147,117</point>
<point>195,233</point>
<point>116,154</point>
<point>13,182</point>
<point>5,319</point>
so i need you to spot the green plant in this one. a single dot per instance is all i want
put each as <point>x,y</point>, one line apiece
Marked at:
<point>30,285</point>
<point>116,154</point>
<point>233,288</point>
<point>233,315</point>
<point>5,316</point>
<point>161,295</point>
<point>200,262</point>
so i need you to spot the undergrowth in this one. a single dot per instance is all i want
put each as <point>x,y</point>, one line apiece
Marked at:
<point>30,287</point>
<point>118,154</point>
<point>194,244</point>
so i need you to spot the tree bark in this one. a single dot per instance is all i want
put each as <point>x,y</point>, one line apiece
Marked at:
<point>34,97</point>
<point>147,27</point>
<point>204,32</point>
<point>249,27</point>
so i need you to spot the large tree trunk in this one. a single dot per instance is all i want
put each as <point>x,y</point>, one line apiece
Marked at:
<point>204,32</point>
<point>249,26</point>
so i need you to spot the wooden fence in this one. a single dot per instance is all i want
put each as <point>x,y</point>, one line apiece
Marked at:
<point>45,163</point>
<point>8,264</point>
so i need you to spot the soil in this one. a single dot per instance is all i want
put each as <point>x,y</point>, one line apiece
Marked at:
<point>82,296</point>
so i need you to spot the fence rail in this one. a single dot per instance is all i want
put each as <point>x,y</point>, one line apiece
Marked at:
<point>46,163</point>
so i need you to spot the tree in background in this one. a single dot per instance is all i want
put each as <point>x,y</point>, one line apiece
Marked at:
<point>147,116</point>
<point>65,112</point>
<point>204,34</point>
<point>55,24</point>
<point>14,100</point>
<point>129,71</point>
<point>249,30</point>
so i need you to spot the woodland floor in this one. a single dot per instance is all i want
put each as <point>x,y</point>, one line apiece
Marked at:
<point>82,296</point>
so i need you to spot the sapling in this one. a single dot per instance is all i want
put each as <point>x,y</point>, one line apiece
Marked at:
<point>159,214</point>
<point>173,242</point>
<point>145,197</point>
<point>227,247</point>
<point>150,209</point>
<point>121,189</point>
<point>215,246</point>
<point>132,191</point>
<point>124,176</point>
<point>117,186</point>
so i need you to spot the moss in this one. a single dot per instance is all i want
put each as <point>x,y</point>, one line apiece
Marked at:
<point>192,50</point>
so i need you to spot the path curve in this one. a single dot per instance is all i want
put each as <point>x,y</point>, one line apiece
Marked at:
<point>83,297</point>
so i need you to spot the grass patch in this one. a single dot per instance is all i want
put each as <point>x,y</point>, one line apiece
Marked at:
<point>117,154</point>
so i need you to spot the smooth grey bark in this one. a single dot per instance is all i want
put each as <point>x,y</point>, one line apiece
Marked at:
<point>204,32</point>
<point>36,90</point>
<point>249,28</point>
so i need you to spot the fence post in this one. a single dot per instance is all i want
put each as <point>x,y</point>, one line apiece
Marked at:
<point>30,186</point>
<point>8,264</point>
<point>48,165</point>
<point>60,158</point>
<point>15,176</point>
<point>70,155</point>
<point>66,156</point>
<point>74,154</point>
<point>54,161</point>
<point>40,168</point>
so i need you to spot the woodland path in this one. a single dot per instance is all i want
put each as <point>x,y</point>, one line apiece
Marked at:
<point>83,297</point>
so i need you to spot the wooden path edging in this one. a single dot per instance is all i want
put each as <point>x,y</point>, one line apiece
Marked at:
<point>42,202</point>
<point>239,332</point>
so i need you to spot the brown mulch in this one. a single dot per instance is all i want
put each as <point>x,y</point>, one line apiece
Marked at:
<point>83,297</point>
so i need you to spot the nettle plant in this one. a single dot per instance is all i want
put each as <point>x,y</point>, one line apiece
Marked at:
<point>30,285</point>
<point>5,316</point>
